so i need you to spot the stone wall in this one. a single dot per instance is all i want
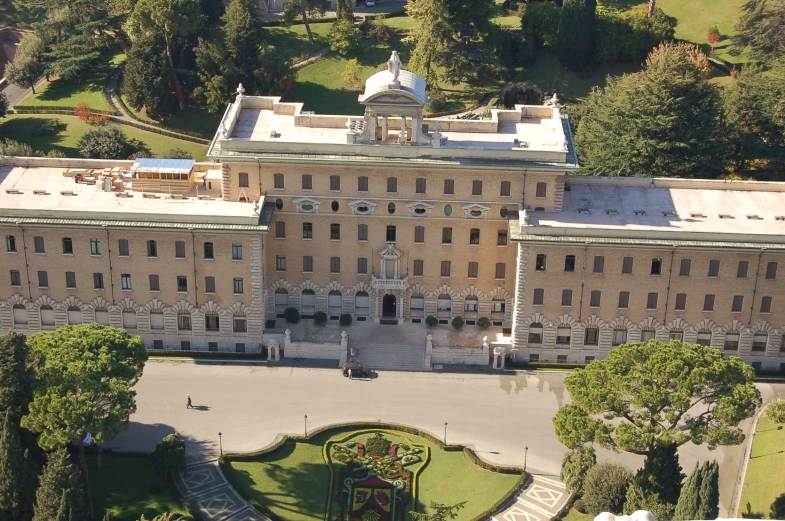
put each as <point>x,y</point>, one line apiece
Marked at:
<point>460,355</point>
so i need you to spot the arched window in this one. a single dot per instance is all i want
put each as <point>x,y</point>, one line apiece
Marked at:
<point>334,302</point>
<point>535,333</point>
<point>417,305</point>
<point>74,315</point>
<point>47,316</point>
<point>102,316</point>
<point>20,315</point>
<point>281,300</point>
<point>308,302</point>
<point>362,303</point>
<point>443,306</point>
<point>471,307</point>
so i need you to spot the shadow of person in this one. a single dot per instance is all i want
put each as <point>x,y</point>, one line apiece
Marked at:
<point>201,407</point>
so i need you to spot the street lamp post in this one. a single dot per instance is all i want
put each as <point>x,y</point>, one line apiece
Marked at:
<point>220,443</point>
<point>445,433</point>
<point>525,454</point>
<point>305,419</point>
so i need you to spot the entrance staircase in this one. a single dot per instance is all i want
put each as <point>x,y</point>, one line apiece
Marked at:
<point>396,357</point>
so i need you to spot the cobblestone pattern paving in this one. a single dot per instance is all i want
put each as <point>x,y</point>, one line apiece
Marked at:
<point>540,500</point>
<point>209,493</point>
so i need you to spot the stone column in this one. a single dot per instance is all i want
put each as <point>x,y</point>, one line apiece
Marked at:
<point>384,128</point>
<point>403,129</point>
<point>416,124</point>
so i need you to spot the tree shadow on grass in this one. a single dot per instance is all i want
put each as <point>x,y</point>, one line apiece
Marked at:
<point>21,130</point>
<point>292,45</point>
<point>323,100</point>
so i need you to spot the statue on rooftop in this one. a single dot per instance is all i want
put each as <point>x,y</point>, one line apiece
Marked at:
<point>394,66</point>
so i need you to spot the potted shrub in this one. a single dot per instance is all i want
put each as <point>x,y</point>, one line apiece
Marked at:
<point>320,318</point>
<point>345,320</point>
<point>431,321</point>
<point>484,323</point>
<point>291,315</point>
<point>458,322</point>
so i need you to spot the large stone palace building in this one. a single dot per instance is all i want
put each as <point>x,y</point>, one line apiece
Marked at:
<point>392,217</point>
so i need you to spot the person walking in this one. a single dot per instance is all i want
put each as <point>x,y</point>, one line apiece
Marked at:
<point>350,373</point>
<point>188,404</point>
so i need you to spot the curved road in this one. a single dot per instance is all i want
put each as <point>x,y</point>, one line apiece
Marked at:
<point>497,415</point>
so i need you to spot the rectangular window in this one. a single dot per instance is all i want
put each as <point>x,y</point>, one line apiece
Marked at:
<point>155,285</point>
<point>98,281</point>
<point>184,321</point>
<point>741,271</point>
<point>307,264</point>
<point>209,284</point>
<point>445,269</point>
<point>449,187</point>
<point>362,184</point>
<point>179,250</point>
<point>362,232</point>
<point>390,233</point>
<point>566,297</point>
<point>446,235</point>
<point>208,251</point>
<point>237,251</point>
<point>771,270</point>
<point>152,249</point>
<point>704,338</point>
<point>651,301</point>
<point>335,182</point>
<point>278,181</point>
<point>16,279</point>
<point>540,263</point>
<point>362,265</point>
<point>501,238</point>
<point>10,243</point>
<point>420,185</point>
<point>474,236</point>
<point>280,263</point>
<point>738,302</point>
<point>212,346</point>
<point>43,279</point>
<point>542,190</point>
<point>239,325</point>
<point>714,268</point>
<point>182,283</point>
<point>656,266</point>
<point>596,297</point>
<point>681,302</point>
<point>307,182</point>
<point>418,268</point>
<point>419,234</point>
<point>619,337</point>
<point>592,336</point>
<point>626,266</point>
<point>335,264</point>
<point>759,342</point>
<point>535,336</point>
<point>569,263</point>
<point>624,299</point>
<point>280,230</point>
<point>477,187</point>
<point>765,305</point>
<point>307,230</point>
<point>68,246</point>
<point>392,185</point>
<point>563,335</point>
<point>501,270</point>
<point>561,359</point>
<point>185,345</point>
<point>708,303</point>
<point>684,267</point>
<point>211,322</point>
<point>158,344</point>
<point>239,347</point>
<point>237,284</point>
<point>504,191</point>
<point>38,241</point>
<point>647,335</point>
<point>599,264</point>
<point>335,232</point>
<point>95,247</point>
<point>474,268</point>
<point>539,297</point>
<point>731,341</point>
<point>242,179</point>
<point>125,281</point>
<point>122,246</point>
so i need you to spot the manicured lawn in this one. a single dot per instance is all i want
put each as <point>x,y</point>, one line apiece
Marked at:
<point>293,42</point>
<point>20,127</point>
<point>765,478</point>
<point>574,515</point>
<point>127,487</point>
<point>292,483</point>
<point>70,93</point>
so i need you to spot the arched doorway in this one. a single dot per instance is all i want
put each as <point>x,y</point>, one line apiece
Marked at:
<point>389,306</point>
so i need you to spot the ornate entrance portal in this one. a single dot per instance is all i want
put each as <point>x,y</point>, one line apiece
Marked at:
<point>389,307</point>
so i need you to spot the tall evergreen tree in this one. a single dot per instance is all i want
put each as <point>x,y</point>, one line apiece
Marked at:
<point>59,475</point>
<point>146,84</point>
<point>293,9</point>
<point>689,499</point>
<point>577,33</point>
<point>17,476</point>
<point>427,37</point>
<point>709,505</point>
<point>243,33</point>
<point>761,29</point>
<point>661,473</point>
<point>16,375</point>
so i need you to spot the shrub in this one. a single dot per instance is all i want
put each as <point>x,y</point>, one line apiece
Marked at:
<point>345,320</point>
<point>776,411</point>
<point>83,112</point>
<point>605,488</point>
<point>177,153</point>
<point>438,101</point>
<point>458,322</point>
<point>484,323</point>
<point>169,457</point>
<point>714,36</point>
<point>10,147</point>
<point>352,73</point>
<point>778,508</point>
<point>574,467</point>
<point>343,37</point>
<point>520,94</point>
<point>50,127</point>
<point>291,315</point>
<point>577,33</point>
<point>106,142</point>
<point>543,20</point>
<point>431,321</point>
<point>320,318</point>
<point>578,505</point>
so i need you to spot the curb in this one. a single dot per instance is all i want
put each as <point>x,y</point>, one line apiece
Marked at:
<point>208,361</point>
<point>739,487</point>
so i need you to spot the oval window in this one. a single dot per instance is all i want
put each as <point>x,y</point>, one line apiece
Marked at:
<point>475,213</point>
<point>307,207</point>
<point>279,204</point>
<point>362,209</point>
<point>447,209</point>
<point>391,207</point>
<point>503,211</point>
<point>419,211</point>
<point>334,206</point>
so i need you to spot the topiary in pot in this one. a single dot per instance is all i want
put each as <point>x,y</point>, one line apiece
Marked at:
<point>458,322</point>
<point>484,323</point>
<point>320,318</point>
<point>345,320</point>
<point>291,315</point>
<point>431,321</point>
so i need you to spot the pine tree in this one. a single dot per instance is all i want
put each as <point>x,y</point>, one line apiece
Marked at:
<point>689,499</point>
<point>428,37</point>
<point>59,475</point>
<point>17,475</point>
<point>577,33</point>
<point>16,377</point>
<point>661,473</point>
<point>709,504</point>
<point>243,34</point>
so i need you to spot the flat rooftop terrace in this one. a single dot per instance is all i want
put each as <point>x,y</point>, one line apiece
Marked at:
<point>46,192</point>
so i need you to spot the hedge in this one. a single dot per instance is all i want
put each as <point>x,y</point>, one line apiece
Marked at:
<point>43,109</point>
<point>392,14</point>
<point>209,355</point>
<point>282,23</point>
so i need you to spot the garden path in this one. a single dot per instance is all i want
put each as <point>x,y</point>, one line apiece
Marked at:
<point>209,493</point>
<point>541,499</point>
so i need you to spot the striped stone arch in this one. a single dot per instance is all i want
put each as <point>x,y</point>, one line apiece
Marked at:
<point>678,323</point>
<point>536,318</point>
<point>44,300</point>
<point>308,284</point>
<point>128,304</point>
<point>211,307</point>
<point>100,302</point>
<point>762,327</point>
<point>649,323</point>
<point>735,325</point>
<point>72,301</point>
<point>498,293</point>
<point>565,320</point>
<point>238,308</point>
<point>594,321</point>
<point>444,289</point>
<point>281,283</point>
<point>155,306</point>
<point>333,286</point>
<point>183,306</point>
<point>622,322</point>
<point>417,289</point>
<point>472,291</point>
<point>360,286</point>
<point>707,324</point>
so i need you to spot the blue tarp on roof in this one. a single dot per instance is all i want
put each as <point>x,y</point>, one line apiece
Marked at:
<point>177,166</point>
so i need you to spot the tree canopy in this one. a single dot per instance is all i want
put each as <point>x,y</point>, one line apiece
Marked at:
<point>16,375</point>
<point>28,65</point>
<point>650,394</point>
<point>577,33</point>
<point>59,475</point>
<point>761,29</point>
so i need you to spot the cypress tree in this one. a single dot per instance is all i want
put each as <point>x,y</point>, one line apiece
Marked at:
<point>63,511</point>
<point>709,504</point>
<point>661,473</point>
<point>577,33</point>
<point>16,377</point>
<point>17,475</point>
<point>60,475</point>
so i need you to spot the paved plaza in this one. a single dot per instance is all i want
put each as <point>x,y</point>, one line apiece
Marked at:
<point>495,414</point>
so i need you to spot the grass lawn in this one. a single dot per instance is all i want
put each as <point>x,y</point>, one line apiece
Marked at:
<point>293,42</point>
<point>292,483</point>
<point>574,515</point>
<point>85,89</point>
<point>19,127</point>
<point>127,487</point>
<point>765,478</point>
